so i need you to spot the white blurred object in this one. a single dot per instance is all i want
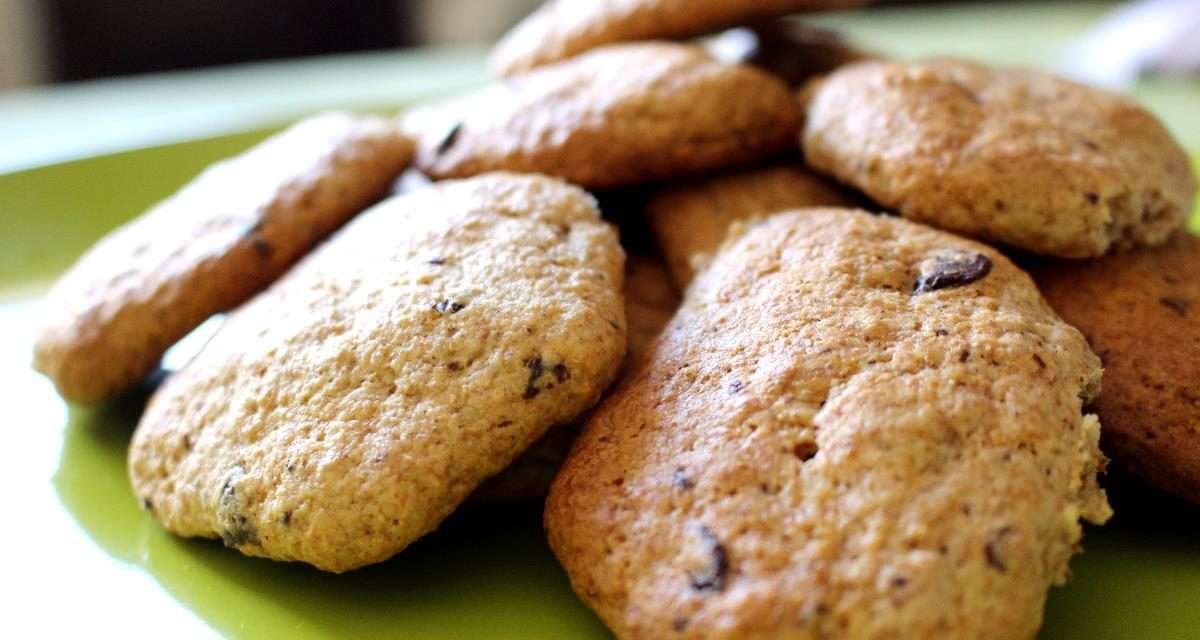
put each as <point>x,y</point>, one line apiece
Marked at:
<point>23,41</point>
<point>1147,36</point>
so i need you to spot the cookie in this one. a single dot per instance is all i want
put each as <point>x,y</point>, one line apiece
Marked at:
<point>560,29</point>
<point>1141,313</point>
<point>650,301</point>
<point>616,116</point>
<point>855,427</point>
<point>348,409</point>
<point>691,219</point>
<point>793,50</point>
<point>227,234</point>
<point>1013,156</point>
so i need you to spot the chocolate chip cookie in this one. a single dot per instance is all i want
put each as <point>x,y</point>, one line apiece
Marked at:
<point>855,427</point>
<point>1013,156</point>
<point>1141,312</point>
<point>348,409</point>
<point>691,219</point>
<point>226,235</point>
<point>616,116</point>
<point>560,29</point>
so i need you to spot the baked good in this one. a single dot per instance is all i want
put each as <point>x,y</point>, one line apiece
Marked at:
<point>1141,312</point>
<point>220,239</point>
<point>560,29</point>
<point>344,412</point>
<point>650,301</point>
<point>616,116</point>
<point>690,219</point>
<point>855,427</point>
<point>1013,156</point>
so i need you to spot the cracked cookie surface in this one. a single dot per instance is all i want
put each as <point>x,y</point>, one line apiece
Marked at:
<point>348,409</point>
<point>616,116</point>
<point>1013,156</point>
<point>821,446</point>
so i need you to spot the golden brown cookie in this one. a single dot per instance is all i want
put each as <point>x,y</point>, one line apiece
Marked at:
<point>691,219</point>
<point>347,410</point>
<point>221,238</point>
<point>855,427</point>
<point>1141,313</point>
<point>650,301</point>
<point>619,115</point>
<point>1014,156</point>
<point>560,29</point>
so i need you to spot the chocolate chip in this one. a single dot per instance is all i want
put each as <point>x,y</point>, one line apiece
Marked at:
<point>736,386</point>
<point>947,272</point>
<point>805,450</point>
<point>232,525</point>
<point>899,582</point>
<point>681,480</point>
<point>436,261</point>
<point>1178,305</point>
<point>1092,198</point>
<point>536,369</point>
<point>1089,144</point>
<point>993,550</point>
<point>679,624</point>
<point>712,577</point>
<point>147,504</point>
<point>561,373</point>
<point>941,333</point>
<point>449,306</point>
<point>1040,363</point>
<point>450,138</point>
<point>454,366</point>
<point>261,247</point>
<point>287,518</point>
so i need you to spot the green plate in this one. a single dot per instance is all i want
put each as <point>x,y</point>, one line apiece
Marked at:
<point>84,560</point>
<point>89,559</point>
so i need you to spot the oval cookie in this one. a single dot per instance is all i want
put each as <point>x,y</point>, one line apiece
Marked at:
<point>560,29</point>
<point>616,116</point>
<point>224,236</point>
<point>855,427</point>
<point>691,219</point>
<point>347,410</point>
<point>1013,156</point>
<point>1141,312</point>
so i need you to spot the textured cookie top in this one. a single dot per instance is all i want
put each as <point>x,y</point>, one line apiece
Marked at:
<point>691,219</point>
<point>619,115</point>
<point>1141,313</point>
<point>1007,155</point>
<point>560,29</point>
<point>225,235</point>
<point>349,408</point>
<point>855,427</point>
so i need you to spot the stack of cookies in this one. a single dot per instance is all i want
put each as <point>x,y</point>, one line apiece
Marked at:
<point>801,341</point>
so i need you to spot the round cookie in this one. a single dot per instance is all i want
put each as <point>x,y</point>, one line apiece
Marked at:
<point>690,220</point>
<point>855,427</point>
<point>560,29</point>
<point>221,238</point>
<point>347,410</point>
<point>1013,156</point>
<point>1141,313</point>
<point>616,116</point>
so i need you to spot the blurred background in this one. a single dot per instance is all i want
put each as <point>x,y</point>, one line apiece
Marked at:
<point>48,41</point>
